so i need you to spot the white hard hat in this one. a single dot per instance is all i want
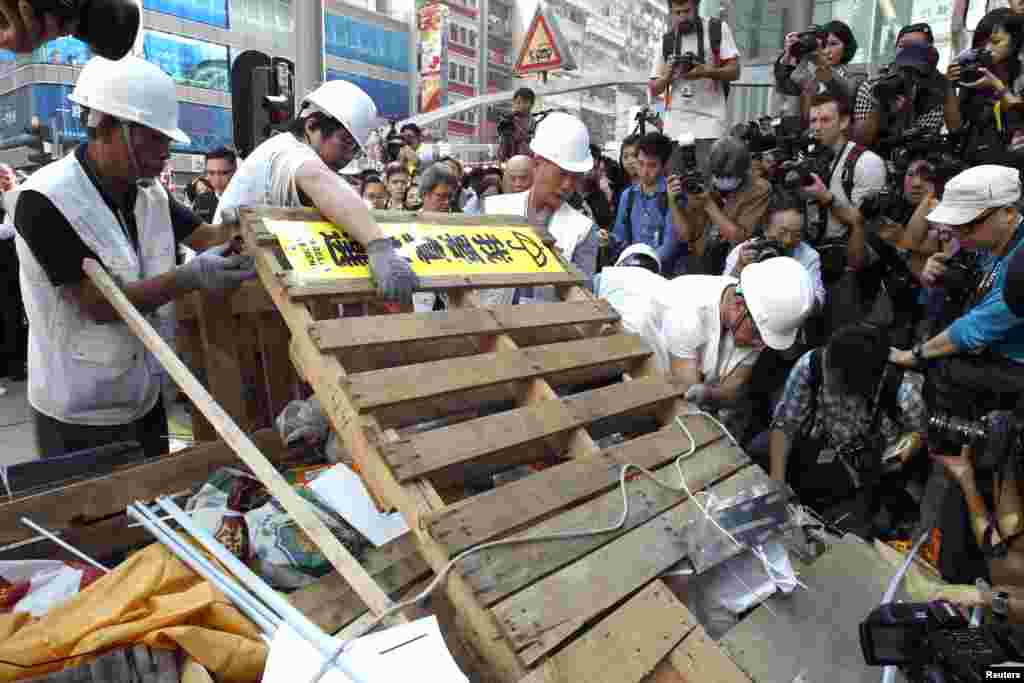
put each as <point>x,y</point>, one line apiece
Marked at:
<point>563,140</point>
<point>348,104</point>
<point>641,249</point>
<point>779,294</point>
<point>133,90</point>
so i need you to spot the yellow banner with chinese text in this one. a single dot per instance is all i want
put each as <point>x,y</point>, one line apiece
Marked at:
<point>319,250</point>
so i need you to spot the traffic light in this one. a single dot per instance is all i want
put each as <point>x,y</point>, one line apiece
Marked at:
<point>262,98</point>
<point>280,100</point>
<point>40,142</point>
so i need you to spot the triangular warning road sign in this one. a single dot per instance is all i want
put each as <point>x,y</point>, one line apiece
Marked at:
<point>544,48</point>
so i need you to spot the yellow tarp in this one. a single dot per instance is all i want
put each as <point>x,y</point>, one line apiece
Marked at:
<point>151,598</point>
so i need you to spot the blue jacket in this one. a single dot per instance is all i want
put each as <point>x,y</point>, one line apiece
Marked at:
<point>991,323</point>
<point>650,224</point>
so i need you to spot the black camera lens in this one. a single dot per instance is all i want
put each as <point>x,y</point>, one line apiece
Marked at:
<point>108,27</point>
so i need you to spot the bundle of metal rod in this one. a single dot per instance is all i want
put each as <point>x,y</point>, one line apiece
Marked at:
<point>252,608</point>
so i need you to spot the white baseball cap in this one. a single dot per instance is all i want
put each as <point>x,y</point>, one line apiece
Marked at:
<point>639,248</point>
<point>971,193</point>
<point>779,294</point>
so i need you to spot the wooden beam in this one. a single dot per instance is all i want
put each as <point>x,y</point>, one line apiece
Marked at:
<point>545,613</point>
<point>392,386</point>
<point>346,333</point>
<point>699,659</point>
<point>219,329</point>
<point>94,499</point>
<point>624,647</point>
<point>510,437</point>
<point>249,299</point>
<point>497,512</point>
<point>279,378</point>
<point>496,573</point>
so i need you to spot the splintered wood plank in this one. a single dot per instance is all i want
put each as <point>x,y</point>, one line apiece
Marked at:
<point>330,602</point>
<point>360,289</point>
<point>699,659</point>
<point>499,511</point>
<point>348,333</point>
<point>94,499</point>
<point>625,646</point>
<point>392,386</point>
<point>543,615</point>
<point>495,573</point>
<point>510,437</point>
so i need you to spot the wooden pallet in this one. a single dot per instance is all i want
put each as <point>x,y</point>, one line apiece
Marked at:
<point>585,609</point>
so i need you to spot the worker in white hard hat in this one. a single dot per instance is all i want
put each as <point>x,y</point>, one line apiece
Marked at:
<point>716,326</point>
<point>561,155</point>
<point>90,380</point>
<point>300,168</point>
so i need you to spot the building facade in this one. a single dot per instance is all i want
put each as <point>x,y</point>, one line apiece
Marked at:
<point>196,41</point>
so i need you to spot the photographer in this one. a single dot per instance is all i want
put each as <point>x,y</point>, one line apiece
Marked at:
<point>514,130</point>
<point>983,113</point>
<point>911,95</point>
<point>727,213</point>
<point>818,55</point>
<point>697,60</point>
<point>644,215</point>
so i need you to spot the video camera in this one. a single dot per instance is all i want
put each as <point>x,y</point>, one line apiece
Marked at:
<point>932,642</point>
<point>808,42</point>
<point>683,163</point>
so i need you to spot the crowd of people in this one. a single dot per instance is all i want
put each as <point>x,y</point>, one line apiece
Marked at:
<point>825,282</point>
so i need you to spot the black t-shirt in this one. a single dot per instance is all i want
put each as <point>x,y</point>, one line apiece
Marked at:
<point>58,248</point>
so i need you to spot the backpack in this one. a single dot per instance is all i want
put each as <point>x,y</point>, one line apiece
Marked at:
<point>671,40</point>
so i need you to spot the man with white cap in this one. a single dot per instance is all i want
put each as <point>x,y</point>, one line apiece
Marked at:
<point>300,168</point>
<point>561,155</point>
<point>717,325</point>
<point>91,381</point>
<point>980,205</point>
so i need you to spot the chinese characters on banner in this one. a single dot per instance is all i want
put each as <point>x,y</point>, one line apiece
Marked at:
<point>322,251</point>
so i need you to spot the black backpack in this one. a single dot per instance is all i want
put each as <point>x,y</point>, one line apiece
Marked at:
<point>671,41</point>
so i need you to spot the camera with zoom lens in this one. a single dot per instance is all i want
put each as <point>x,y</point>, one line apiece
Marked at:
<point>686,61</point>
<point>393,144</point>
<point>765,248</point>
<point>994,438</point>
<point>683,163</point>
<point>933,642</point>
<point>888,204</point>
<point>893,82</point>
<point>108,27</point>
<point>971,62</point>
<point>808,42</point>
<point>812,158</point>
<point>506,124</point>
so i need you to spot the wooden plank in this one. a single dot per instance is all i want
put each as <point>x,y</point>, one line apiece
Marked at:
<point>699,659</point>
<point>219,330</point>
<point>249,299</point>
<point>496,573</point>
<point>94,499</point>
<point>624,647</point>
<point>279,378</point>
<point>330,602</point>
<point>499,511</point>
<point>392,386</point>
<point>543,615</point>
<point>361,289</point>
<point>347,333</point>
<point>509,437</point>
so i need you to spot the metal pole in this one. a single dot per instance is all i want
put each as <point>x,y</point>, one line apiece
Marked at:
<point>63,544</point>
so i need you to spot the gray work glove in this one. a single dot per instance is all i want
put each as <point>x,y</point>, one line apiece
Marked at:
<point>392,273</point>
<point>214,272</point>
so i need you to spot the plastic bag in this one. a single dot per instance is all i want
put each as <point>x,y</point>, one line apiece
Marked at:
<point>303,420</point>
<point>743,581</point>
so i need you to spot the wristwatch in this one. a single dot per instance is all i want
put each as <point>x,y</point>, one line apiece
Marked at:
<point>1001,604</point>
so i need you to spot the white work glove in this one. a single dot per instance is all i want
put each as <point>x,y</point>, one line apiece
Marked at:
<point>698,393</point>
<point>212,271</point>
<point>392,273</point>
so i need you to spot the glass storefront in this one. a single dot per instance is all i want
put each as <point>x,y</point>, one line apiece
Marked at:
<point>268,17</point>
<point>190,62</point>
<point>68,51</point>
<point>213,12</point>
<point>392,99</point>
<point>359,41</point>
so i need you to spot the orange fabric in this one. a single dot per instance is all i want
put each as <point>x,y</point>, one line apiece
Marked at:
<point>151,598</point>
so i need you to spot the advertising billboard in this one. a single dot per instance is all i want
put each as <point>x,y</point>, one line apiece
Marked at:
<point>359,41</point>
<point>433,41</point>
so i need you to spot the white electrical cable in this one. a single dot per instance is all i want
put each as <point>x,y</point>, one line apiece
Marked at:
<point>569,535</point>
<point>266,621</point>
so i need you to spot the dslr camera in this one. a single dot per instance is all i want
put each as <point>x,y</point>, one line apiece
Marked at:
<point>685,62</point>
<point>506,124</point>
<point>393,144</point>
<point>971,62</point>
<point>994,438</point>
<point>893,82</point>
<point>765,248</point>
<point>932,642</point>
<point>889,204</point>
<point>812,157</point>
<point>683,163</point>
<point>808,42</point>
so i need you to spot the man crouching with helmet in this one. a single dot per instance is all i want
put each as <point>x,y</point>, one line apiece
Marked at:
<point>90,380</point>
<point>300,168</point>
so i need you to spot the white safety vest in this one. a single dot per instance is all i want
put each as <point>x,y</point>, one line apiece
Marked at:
<point>568,226</point>
<point>81,372</point>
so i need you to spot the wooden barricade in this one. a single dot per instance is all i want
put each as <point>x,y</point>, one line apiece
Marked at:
<point>584,609</point>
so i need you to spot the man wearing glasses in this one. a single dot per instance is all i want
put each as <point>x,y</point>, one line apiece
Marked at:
<point>980,206</point>
<point>719,326</point>
<point>300,168</point>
